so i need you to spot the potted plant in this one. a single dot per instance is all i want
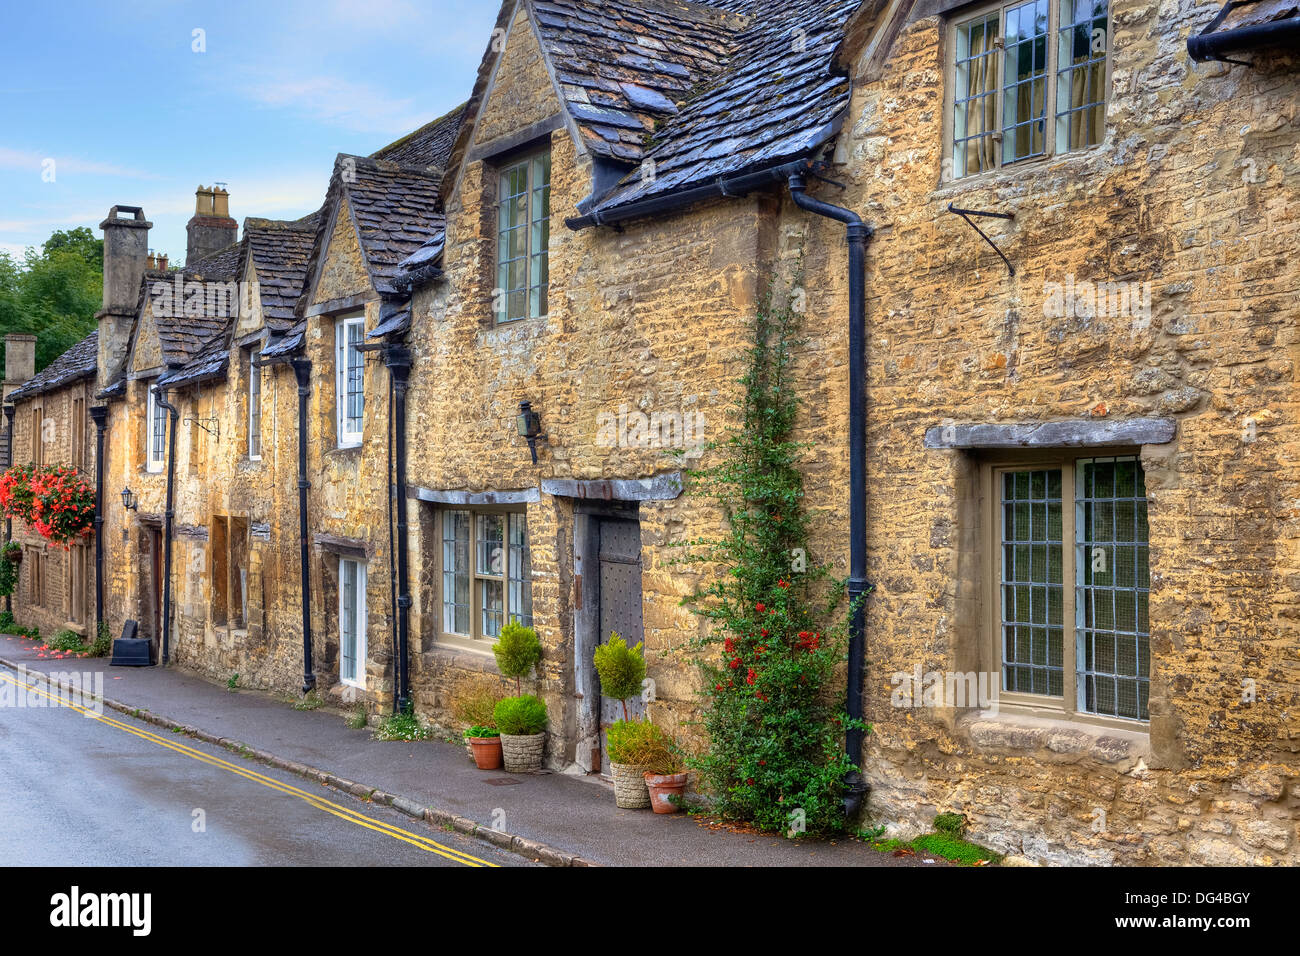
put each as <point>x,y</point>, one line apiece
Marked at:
<point>12,552</point>
<point>472,705</point>
<point>622,671</point>
<point>666,780</point>
<point>521,722</point>
<point>485,746</point>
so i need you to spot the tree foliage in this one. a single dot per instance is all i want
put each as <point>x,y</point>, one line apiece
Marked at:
<point>53,292</point>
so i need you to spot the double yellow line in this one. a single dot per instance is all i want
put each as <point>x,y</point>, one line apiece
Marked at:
<point>334,809</point>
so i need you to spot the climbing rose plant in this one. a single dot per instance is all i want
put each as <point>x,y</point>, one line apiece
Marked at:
<point>56,502</point>
<point>772,709</point>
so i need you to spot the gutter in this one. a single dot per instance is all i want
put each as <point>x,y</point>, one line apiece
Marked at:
<point>398,360</point>
<point>10,411</point>
<point>1209,45</point>
<point>169,517</point>
<point>859,233</point>
<point>723,186</point>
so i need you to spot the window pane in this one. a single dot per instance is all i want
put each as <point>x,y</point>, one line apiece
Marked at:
<point>1033,624</point>
<point>254,404</point>
<point>348,620</point>
<point>455,572</point>
<point>974,100</point>
<point>1082,45</point>
<point>1024,82</point>
<point>490,598</point>
<point>1111,630</point>
<point>520,572</point>
<point>491,539</point>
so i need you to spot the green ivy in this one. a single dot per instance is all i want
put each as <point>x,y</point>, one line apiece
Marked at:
<point>9,568</point>
<point>771,708</point>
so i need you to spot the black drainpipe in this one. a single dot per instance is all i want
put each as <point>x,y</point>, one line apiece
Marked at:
<point>855,788</point>
<point>10,411</point>
<point>99,415</point>
<point>168,518</point>
<point>302,369</point>
<point>398,360</point>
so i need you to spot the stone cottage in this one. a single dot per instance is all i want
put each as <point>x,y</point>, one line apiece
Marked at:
<point>1045,255</point>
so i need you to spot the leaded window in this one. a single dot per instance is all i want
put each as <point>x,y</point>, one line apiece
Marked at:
<point>1072,585</point>
<point>523,238</point>
<point>1018,68</point>
<point>486,572</point>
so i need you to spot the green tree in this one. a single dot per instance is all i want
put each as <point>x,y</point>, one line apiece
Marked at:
<point>54,292</point>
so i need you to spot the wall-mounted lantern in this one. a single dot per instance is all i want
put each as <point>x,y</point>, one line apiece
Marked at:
<point>530,427</point>
<point>128,500</point>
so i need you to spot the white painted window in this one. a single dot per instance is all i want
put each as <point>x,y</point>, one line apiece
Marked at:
<point>254,405</point>
<point>350,372</point>
<point>352,623</point>
<point>156,443</point>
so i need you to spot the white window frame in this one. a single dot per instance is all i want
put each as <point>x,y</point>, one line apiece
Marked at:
<point>254,402</point>
<point>357,680</point>
<point>347,436</point>
<point>155,456</point>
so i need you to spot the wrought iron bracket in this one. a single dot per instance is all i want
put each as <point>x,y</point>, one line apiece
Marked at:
<point>214,431</point>
<point>967,213</point>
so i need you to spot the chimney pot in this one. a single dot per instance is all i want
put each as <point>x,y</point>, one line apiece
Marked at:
<point>203,201</point>
<point>220,203</point>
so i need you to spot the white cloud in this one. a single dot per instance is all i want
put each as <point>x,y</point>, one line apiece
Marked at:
<point>35,162</point>
<point>358,107</point>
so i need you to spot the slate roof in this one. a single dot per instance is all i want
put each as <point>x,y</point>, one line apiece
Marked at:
<point>397,209</point>
<point>77,363</point>
<point>624,65</point>
<point>776,99</point>
<point>181,336</point>
<point>429,146</point>
<point>281,252</point>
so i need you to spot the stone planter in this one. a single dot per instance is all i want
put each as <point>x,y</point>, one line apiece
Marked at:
<point>523,754</point>
<point>666,791</point>
<point>486,751</point>
<point>630,791</point>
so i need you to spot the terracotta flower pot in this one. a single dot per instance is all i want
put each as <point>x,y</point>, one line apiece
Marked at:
<point>487,752</point>
<point>523,754</point>
<point>666,790</point>
<point>630,792</point>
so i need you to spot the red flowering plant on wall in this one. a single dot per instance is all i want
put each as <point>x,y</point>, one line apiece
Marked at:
<point>772,705</point>
<point>16,493</point>
<point>57,503</point>
<point>64,507</point>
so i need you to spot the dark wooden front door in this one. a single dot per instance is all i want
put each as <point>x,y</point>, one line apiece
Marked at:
<point>620,608</point>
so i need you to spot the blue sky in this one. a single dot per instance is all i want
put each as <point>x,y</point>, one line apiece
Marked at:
<point>116,96</point>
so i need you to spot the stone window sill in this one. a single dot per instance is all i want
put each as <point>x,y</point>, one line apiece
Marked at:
<point>467,658</point>
<point>1055,737</point>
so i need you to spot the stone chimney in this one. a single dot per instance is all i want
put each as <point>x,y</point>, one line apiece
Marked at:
<point>211,229</point>
<point>126,253</point>
<point>20,360</point>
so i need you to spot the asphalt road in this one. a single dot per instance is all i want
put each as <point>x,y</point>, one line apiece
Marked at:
<point>114,791</point>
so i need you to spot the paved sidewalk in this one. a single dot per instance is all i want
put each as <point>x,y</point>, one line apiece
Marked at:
<point>573,816</point>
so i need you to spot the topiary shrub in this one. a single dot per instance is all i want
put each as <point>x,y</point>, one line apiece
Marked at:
<point>520,716</point>
<point>517,651</point>
<point>621,669</point>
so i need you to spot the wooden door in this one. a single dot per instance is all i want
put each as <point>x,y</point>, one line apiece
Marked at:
<point>620,609</point>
